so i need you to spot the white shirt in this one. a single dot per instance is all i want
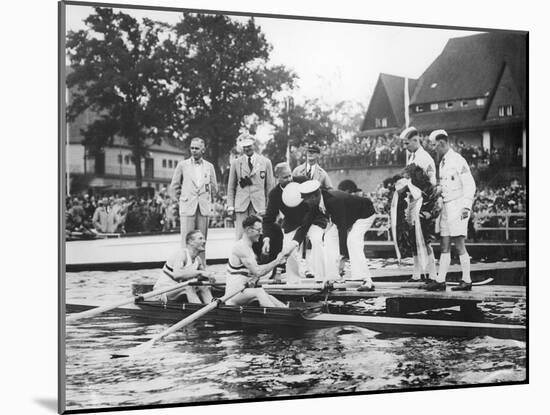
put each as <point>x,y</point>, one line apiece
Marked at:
<point>456,179</point>
<point>197,171</point>
<point>423,160</point>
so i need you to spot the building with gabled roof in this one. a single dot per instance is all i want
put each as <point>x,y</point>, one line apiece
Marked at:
<point>386,110</point>
<point>476,89</point>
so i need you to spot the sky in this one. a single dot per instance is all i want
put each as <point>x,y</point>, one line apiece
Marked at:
<point>334,61</point>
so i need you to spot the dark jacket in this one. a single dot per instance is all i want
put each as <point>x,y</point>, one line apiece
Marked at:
<point>343,210</point>
<point>293,217</point>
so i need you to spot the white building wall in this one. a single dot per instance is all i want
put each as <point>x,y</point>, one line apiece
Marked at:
<point>75,158</point>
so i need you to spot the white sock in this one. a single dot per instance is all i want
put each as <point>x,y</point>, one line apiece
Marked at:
<point>416,269</point>
<point>444,262</point>
<point>465,265</point>
<point>432,271</point>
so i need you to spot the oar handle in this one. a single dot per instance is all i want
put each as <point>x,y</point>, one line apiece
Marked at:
<point>98,310</point>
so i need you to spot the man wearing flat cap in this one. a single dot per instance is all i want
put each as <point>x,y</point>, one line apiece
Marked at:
<point>418,156</point>
<point>250,180</point>
<point>457,189</point>
<point>311,168</point>
<point>351,216</point>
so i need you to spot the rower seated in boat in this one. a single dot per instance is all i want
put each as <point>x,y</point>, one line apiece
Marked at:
<point>243,268</point>
<point>184,265</point>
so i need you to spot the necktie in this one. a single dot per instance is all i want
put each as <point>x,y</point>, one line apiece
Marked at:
<point>250,162</point>
<point>411,157</point>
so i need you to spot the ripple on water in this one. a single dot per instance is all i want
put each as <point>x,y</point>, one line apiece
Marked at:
<point>208,362</point>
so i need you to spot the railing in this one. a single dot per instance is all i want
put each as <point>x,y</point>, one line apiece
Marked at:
<point>382,225</point>
<point>385,227</point>
<point>506,228</point>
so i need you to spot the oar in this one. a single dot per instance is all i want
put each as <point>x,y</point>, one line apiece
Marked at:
<point>95,311</point>
<point>187,320</point>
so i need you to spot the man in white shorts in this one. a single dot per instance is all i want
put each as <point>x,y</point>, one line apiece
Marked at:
<point>184,265</point>
<point>457,190</point>
<point>243,268</point>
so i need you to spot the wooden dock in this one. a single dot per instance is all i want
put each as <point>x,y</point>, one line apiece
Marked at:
<point>484,293</point>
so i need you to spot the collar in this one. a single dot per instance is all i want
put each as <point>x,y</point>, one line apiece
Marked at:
<point>448,155</point>
<point>196,162</point>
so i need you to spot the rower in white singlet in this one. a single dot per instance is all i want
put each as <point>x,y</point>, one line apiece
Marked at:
<point>243,268</point>
<point>183,265</point>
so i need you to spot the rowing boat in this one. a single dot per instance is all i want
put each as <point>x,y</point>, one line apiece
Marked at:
<point>310,316</point>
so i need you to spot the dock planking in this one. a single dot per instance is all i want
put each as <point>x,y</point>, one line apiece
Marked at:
<point>487,293</point>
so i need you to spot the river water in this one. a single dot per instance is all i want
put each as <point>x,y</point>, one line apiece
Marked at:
<point>217,362</point>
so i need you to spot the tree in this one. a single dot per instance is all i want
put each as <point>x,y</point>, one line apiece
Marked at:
<point>117,72</point>
<point>221,67</point>
<point>309,123</point>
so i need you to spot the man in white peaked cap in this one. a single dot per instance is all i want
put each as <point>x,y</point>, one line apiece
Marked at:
<point>417,155</point>
<point>457,189</point>
<point>250,180</point>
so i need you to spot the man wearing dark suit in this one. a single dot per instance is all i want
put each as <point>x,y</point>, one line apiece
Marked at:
<point>293,218</point>
<point>351,215</point>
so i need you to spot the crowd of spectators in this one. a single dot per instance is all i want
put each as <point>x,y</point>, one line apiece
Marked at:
<point>358,152</point>
<point>89,214</point>
<point>503,200</point>
<point>389,150</point>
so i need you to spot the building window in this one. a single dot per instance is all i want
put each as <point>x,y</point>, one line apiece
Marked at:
<point>450,104</point>
<point>419,108</point>
<point>384,122</point>
<point>480,102</point>
<point>126,159</point>
<point>505,110</point>
<point>170,163</point>
<point>434,107</point>
<point>119,159</point>
<point>464,104</point>
<point>164,163</point>
<point>149,169</point>
<point>175,163</point>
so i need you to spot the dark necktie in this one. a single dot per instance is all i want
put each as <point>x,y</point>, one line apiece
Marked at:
<point>250,162</point>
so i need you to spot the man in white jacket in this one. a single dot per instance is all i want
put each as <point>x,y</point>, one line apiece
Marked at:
<point>417,155</point>
<point>193,184</point>
<point>457,189</point>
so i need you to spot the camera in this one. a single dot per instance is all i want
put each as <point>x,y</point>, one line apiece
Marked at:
<point>245,181</point>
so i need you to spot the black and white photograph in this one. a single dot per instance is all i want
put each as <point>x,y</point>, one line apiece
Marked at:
<point>267,207</point>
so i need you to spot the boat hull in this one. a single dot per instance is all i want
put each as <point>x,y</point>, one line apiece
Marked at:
<point>310,316</point>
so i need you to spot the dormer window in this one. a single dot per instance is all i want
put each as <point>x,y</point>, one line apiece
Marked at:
<point>464,104</point>
<point>380,122</point>
<point>449,105</point>
<point>480,102</point>
<point>419,108</point>
<point>434,107</point>
<point>505,110</point>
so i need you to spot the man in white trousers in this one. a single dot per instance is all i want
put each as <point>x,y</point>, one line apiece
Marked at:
<point>347,216</point>
<point>280,201</point>
<point>417,155</point>
<point>457,189</point>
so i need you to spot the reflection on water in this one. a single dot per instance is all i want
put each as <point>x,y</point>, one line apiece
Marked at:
<point>214,361</point>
